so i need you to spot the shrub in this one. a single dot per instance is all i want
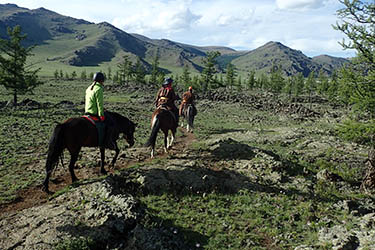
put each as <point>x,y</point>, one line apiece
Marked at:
<point>355,131</point>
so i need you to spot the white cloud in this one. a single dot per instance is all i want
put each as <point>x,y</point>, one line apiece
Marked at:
<point>158,17</point>
<point>299,24</point>
<point>300,4</point>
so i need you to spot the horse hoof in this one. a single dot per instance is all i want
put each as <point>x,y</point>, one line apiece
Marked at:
<point>47,191</point>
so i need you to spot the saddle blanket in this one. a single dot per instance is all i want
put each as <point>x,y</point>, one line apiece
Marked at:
<point>100,127</point>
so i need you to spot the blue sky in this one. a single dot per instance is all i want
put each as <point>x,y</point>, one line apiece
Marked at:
<point>304,25</point>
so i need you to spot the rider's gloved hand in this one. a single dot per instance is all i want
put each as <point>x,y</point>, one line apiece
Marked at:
<point>102,118</point>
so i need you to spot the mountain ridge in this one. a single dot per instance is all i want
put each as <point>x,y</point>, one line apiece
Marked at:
<point>76,42</point>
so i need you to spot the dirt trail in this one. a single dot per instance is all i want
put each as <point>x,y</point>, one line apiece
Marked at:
<point>34,196</point>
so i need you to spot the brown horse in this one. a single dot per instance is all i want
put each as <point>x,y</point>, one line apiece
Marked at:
<point>76,133</point>
<point>163,119</point>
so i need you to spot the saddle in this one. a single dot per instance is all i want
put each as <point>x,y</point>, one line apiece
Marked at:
<point>164,106</point>
<point>100,127</point>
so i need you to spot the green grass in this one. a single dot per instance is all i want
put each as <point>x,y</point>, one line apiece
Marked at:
<point>269,217</point>
<point>246,220</point>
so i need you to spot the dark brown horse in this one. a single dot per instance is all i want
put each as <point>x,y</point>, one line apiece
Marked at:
<point>189,113</point>
<point>163,119</point>
<point>76,133</point>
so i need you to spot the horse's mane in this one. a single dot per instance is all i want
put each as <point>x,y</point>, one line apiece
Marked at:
<point>117,116</point>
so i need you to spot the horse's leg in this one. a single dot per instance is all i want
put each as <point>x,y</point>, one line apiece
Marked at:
<point>188,119</point>
<point>172,137</point>
<point>117,151</point>
<point>192,124</point>
<point>73,159</point>
<point>165,141</point>
<point>152,152</point>
<point>102,158</point>
<point>46,181</point>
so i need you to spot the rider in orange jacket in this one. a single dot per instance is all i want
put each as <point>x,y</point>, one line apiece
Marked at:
<point>187,98</point>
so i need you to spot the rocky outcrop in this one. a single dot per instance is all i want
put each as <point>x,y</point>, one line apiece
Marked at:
<point>265,102</point>
<point>94,212</point>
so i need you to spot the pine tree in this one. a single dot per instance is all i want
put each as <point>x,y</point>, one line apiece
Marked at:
<point>185,78</point>
<point>155,69</point>
<point>139,71</point>
<point>323,83</point>
<point>239,83</point>
<point>14,73</point>
<point>221,81</point>
<point>209,63</point>
<point>288,86</point>
<point>251,81</point>
<point>333,87</point>
<point>310,86</point>
<point>276,83</point>
<point>83,75</point>
<point>263,81</point>
<point>230,75</point>
<point>298,84</point>
<point>56,74</point>
<point>74,75</point>
<point>357,23</point>
<point>109,73</point>
<point>125,71</point>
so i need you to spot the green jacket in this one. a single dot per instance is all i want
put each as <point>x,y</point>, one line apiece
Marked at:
<point>94,99</point>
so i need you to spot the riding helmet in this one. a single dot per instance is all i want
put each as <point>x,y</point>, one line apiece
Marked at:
<point>98,77</point>
<point>167,81</point>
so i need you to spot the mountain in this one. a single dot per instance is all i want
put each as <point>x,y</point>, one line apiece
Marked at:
<point>75,42</point>
<point>63,41</point>
<point>291,61</point>
<point>68,40</point>
<point>330,63</point>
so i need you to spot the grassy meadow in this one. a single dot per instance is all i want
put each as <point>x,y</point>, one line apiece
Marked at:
<point>280,203</point>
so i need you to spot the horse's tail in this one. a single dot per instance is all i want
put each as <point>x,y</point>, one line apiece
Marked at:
<point>154,132</point>
<point>55,148</point>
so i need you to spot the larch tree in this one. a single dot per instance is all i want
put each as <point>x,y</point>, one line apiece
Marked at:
<point>357,22</point>
<point>209,70</point>
<point>15,74</point>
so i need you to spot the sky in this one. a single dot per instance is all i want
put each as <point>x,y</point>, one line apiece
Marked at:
<point>304,25</point>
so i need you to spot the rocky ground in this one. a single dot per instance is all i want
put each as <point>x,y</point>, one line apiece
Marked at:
<point>105,212</point>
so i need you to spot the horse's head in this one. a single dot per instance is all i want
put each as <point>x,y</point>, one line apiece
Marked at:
<point>124,126</point>
<point>129,133</point>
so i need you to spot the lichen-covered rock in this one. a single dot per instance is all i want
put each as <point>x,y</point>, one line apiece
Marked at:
<point>97,212</point>
<point>359,236</point>
<point>155,239</point>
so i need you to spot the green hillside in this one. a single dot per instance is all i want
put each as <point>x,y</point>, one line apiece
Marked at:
<point>330,63</point>
<point>71,44</point>
<point>67,43</point>
<point>272,54</point>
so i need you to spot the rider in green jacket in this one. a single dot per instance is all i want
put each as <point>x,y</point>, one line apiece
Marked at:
<point>94,107</point>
